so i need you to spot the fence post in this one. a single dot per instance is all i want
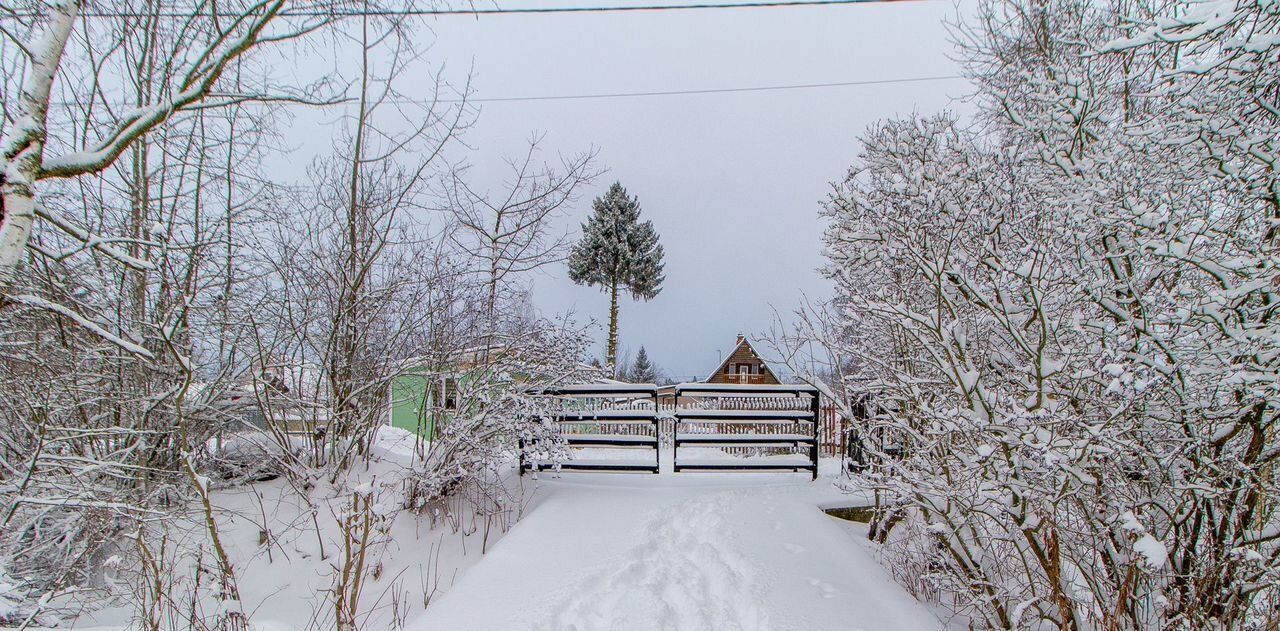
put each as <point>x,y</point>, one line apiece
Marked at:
<point>675,429</point>
<point>520,455</point>
<point>817,431</point>
<point>657,434</point>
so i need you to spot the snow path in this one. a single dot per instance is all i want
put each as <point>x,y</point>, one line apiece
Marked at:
<point>689,552</point>
<point>676,575</point>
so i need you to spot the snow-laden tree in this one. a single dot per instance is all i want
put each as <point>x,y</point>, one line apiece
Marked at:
<point>126,168</point>
<point>617,251</point>
<point>110,374</point>
<point>66,118</point>
<point>499,406</point>
<point>643,370</point>
<point>175,290</point>
<point>1067,320</point>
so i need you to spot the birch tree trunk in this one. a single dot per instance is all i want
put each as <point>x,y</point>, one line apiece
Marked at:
<point>23,148</point>
<point>23,163</point>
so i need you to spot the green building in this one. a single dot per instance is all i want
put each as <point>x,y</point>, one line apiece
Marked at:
<point>419,401</point>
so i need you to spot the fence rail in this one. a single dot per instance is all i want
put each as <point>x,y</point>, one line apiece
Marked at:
<point>761,427</point>
<point>603,415</point>
<point>743,426</point>
<point>834,428</point>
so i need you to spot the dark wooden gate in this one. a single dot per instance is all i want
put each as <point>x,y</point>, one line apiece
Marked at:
<point>746,423</point>
<point>623,416</point>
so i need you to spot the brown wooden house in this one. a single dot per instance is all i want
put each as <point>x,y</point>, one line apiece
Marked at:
<point>743,366</point>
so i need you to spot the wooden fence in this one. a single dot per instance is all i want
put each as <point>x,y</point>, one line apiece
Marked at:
<point>832,428</point>
<point>762,426</point>
<point>618,416</point>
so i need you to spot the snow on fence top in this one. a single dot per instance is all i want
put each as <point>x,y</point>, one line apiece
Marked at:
<point>607,414</point>
<point>751,389</point>
<point>645,389</point>
<point>697,413</point>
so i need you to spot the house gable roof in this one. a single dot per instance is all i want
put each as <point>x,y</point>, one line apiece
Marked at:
<point>743,342</point>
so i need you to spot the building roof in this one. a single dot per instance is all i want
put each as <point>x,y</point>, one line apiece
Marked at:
<point>742,342</point>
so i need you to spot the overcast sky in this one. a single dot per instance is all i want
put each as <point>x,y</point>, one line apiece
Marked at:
<point>731,181</point>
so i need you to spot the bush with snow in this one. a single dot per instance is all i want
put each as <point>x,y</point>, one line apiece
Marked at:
<point>1068,318</point>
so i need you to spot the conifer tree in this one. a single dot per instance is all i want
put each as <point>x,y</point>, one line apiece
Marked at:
<point>643,370</point>
<point>617,251</point>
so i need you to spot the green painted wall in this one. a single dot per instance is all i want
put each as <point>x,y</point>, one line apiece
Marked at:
<point>408,405</point>
<point>411,402</point>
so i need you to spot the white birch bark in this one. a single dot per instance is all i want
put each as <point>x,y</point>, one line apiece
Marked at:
<point>22,149</point>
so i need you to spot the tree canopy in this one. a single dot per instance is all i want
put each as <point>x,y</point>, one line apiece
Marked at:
<point>644,370</point>
<point>617,249</point>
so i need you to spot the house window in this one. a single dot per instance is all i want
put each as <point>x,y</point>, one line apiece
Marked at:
<point>450,393</point>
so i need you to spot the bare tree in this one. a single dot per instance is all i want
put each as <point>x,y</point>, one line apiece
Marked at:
<point>515,231</point>
<point>106,396</point>
<point>161,294</point>
<point>347,262</point>
<point>188,56</point>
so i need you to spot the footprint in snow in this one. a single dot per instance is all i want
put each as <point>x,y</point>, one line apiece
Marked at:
<point>824,588</point>
<point>793,548</point>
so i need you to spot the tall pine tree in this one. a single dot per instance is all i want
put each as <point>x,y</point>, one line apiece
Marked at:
<point>643,370</point>
<point>617,251</point>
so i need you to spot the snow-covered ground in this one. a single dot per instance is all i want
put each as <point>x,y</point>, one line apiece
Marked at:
<point>680,552</point>
<point>691,551</point>
<point>287,548</point>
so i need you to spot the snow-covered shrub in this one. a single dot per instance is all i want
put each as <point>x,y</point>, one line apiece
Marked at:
<point>500,410</point>
<point>248,456</point>
<point>158,287</point>
<point>1067,317</point>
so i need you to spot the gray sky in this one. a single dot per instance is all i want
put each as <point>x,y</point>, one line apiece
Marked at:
<point>731,181</point>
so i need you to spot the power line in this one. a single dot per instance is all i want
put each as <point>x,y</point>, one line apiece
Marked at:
<point>415,12</point>
<point>765,88</point>
<point>619,95</point>
<point>599,9</point>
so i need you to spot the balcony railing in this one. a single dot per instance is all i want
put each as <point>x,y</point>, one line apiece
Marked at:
<point>741,378</point>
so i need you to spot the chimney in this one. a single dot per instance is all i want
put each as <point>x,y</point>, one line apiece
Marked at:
<point>740,339</point>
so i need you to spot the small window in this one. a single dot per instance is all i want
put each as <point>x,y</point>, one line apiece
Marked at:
<point>436,395</point>
<point>450,393</point>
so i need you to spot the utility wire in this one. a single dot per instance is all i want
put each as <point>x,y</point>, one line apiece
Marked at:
<point>620,95</point>
<point>765,88</point>
<point>765,4</point>
<point>415,12</point>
